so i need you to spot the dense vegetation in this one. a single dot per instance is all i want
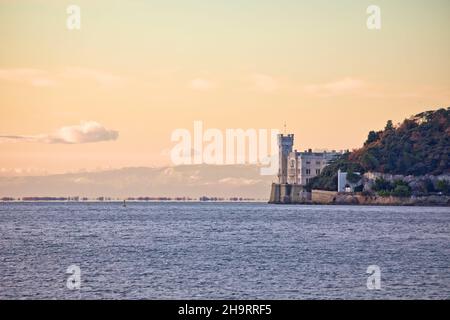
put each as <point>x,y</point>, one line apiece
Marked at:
<point>418,146</point>
<point>327,180</point>
<point>397,188</point>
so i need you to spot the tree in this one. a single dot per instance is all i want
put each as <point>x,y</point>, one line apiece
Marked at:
<point>382,185</point>
<point>417,146</point>
<point>402,191</point>
<point>372,137</point>
<point>327,179</point>
<point>389,125</point>
<point>443,186</point>
<point>352,177</point>
<point>369,162</point>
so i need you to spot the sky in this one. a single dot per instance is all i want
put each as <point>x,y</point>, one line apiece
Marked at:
<point>110,94</point>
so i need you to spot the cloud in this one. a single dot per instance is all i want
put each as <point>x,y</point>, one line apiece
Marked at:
<point>264,83</point>
<point>103,78</point>
<point>355,87</point>
<point>11,172</point>
<point>345,86</point>
<point>201,84</point>
<point>45,78</point>
<point>85,132</point>
<point>82,180</point>
<point>238,181</point>
<point>33,77</point>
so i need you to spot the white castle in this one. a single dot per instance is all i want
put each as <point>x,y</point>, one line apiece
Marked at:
<point>299,167</point>
<point>296,169</point>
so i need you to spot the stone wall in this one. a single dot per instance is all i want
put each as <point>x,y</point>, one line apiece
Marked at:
<point>296,194</point>
<point>323,197</point>
<point>329,197</point>
<point>288,194</point>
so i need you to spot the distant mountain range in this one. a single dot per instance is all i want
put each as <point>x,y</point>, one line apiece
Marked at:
<point>179,181</point>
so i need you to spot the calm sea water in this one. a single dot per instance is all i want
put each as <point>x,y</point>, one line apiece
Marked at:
<point>233,251</point>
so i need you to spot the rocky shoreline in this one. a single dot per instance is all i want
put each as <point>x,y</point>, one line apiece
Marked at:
<point>419,191</point>
<point>285,194</point>
<point>359,199</point>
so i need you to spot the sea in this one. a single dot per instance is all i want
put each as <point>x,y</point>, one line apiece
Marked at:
<point>193,250</point>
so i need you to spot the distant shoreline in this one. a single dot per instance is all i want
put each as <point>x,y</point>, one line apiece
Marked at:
<point>119,202</point>
<point>136,201</point>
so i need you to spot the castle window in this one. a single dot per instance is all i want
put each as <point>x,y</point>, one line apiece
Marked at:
<point>317,171</point>
<point>308,171</point>
<point>318,163</point>
<point>292,163</point>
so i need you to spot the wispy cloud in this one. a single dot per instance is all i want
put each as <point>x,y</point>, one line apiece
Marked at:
<point>85,132</point>
<point>102,78</point>
<point>238,181</point>
<point>355,87</point>
<point>345,86</point>
<point>33,77</point>
<point>201,84</point>
<point>47,78</point>
<point>264,83</point>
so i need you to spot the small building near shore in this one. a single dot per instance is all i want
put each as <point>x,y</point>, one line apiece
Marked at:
<point>343,184</point>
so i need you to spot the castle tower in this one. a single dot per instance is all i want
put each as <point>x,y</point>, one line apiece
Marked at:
<point>285,143</point>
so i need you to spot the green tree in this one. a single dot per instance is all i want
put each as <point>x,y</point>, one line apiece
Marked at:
<point>401,191</point>
<point>443,186</point>
<point>369,161</point>
<point>327,179</point>
<point>382,184</point>
<point>352,177</point>
<point>389,125</point>
<point>372,137</point>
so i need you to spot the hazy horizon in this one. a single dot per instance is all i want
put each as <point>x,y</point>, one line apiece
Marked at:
<point>187,180</point>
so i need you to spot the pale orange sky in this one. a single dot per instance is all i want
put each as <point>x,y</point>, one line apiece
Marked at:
<point>146,68</point>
